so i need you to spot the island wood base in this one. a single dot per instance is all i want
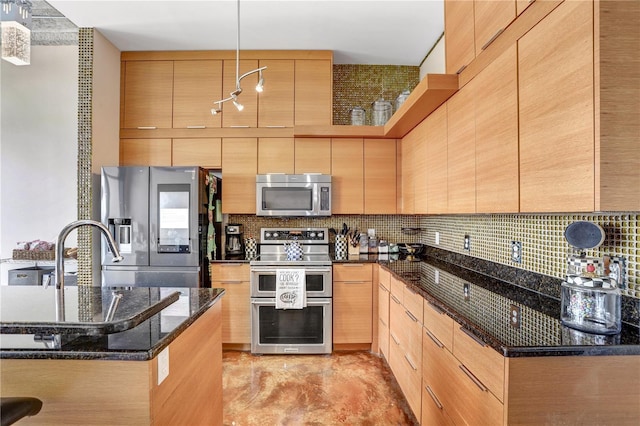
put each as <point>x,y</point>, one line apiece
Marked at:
<point>105,392</point>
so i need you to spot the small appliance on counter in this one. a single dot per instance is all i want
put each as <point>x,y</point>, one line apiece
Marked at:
<point>591,299</point>
<point>234,245</point>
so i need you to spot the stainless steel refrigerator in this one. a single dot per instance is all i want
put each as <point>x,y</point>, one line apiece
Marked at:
<point>159,217</point>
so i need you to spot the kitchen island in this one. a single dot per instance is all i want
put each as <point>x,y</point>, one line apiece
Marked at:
<point>157,358</point>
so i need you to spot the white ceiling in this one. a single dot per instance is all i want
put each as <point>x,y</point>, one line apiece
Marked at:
<point>357,31</point>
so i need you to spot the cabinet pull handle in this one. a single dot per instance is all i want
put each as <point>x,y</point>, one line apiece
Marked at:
<point>436,308</point>
<point>410,363</point>
<point>473,378</point>
<point>356,282</point>
<point>435,339</point>
<point>461,69</point>
<point>228,265</point>
<point>433,396</point>
<point>275,127</point>
<point>239,127</point>
<point>196,127</point>
<point>147,127</point>
<point>382,287</point>
<point>395,339</point>
<point>410,315</point>
<point>382,321</point>
<point>495,36</point>
<point>353,265</point>
<point>231,282</point>
<point>473,337</point>
<point>395,300</point>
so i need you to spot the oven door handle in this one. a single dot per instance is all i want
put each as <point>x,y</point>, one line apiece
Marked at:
<point>272,270</point>
<point>264,301</point>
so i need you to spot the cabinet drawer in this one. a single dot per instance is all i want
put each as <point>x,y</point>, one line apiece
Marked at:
<point>353,272</point>
<point>384,278</point>
<point>397,289</point>
<point>229,272</point>
<point>482,361</point>
<point>438,324</point>
<point>413,302</point>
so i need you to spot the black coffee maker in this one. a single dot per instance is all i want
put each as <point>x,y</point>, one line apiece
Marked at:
<point>234,243</point>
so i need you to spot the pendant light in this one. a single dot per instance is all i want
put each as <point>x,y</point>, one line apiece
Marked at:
<point>233,96</point>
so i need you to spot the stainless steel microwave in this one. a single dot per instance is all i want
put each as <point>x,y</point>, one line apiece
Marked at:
<point>280,194</point>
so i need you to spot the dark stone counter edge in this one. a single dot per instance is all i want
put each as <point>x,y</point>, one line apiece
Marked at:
<point>517,351</point>
<point>87,328</point>
<point>133,355</point>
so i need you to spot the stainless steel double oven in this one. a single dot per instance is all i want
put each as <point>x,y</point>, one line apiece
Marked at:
<point>292,331</point>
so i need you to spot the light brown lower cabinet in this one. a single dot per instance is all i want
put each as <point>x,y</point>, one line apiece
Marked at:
<point>384,278</point>
<point>236,307</point>
<point>352,303</point>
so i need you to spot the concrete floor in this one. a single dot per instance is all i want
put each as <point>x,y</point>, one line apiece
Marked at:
<point>346,388</point>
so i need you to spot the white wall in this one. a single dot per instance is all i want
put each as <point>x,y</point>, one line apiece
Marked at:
<point>435,62</point>
<point>38,148</point>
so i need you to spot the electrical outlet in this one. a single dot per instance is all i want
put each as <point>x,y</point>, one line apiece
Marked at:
<point>514,316</point>
<point>467,242</point>
<point>436,276</point>
<point>163,365</point>
<point>516,251</point>
<point>437,238</point>
<point>465,290</point>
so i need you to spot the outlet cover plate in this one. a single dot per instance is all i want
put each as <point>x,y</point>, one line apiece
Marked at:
<point>516,251</point>
<point>466,292</point>
<point>514,316</point>
<point>467,242</point>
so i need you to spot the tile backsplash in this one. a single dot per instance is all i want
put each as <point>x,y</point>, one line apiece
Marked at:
<point>544,249</point>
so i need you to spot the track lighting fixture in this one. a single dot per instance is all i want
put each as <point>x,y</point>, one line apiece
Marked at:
<point>233,96</point>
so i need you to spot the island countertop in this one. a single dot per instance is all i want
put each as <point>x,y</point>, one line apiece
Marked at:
<point>136,331</point>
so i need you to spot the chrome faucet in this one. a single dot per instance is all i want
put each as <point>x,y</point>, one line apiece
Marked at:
<point>117,257</point>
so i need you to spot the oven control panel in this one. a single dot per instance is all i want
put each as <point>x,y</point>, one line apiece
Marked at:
<point>309,235</point>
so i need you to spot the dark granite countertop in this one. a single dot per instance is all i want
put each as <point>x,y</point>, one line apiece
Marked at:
<point>84,307</point>
<point>486,312</point>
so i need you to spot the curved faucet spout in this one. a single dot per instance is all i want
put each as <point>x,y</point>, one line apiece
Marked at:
<point>59,271</point>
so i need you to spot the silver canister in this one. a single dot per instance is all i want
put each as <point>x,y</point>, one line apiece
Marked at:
<point>381,112</point>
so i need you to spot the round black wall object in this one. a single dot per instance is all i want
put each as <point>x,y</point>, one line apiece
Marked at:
<point>583,234</point>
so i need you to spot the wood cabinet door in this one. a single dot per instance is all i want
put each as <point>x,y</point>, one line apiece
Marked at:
<point>313,155</point>
<point>236,309</point>
<point>556,112</point>
<point>352,304</point>
<point>276,155</point>
<point>458,35</point>
<point>239,169</point>
<point>145,152</point>
<point>379,176</point>
<point>491,17</point>
<point>248,117</point>
<point>419,151</point>
<point>496,113</point>
<point>196,85</point>
<point>407,146</point>
<point>347,176</point>
<point>313,92</point>
<point>275,104</point>
<point>383,319</point>
<point>205,152</point>
<point>436,161</point>
<point>148,94</point>
<point>461,152</point>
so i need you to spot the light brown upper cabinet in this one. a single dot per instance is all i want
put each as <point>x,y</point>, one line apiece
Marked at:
<point>436,161</point>
<point>313,92</point>
<point>275,104</point>
<point>458,35</point>
<point>145,152</point>
<point>147,94</point>
<point>248,117</point>
<point>379,176</point>
<point>313,155</point>
<point>579,147</point>
<point>205,152</point>
<point>276,155</point>
<point>196,85</point>
<point>239,169</point>
<point>407,147</point>
<point>461,151</point>
<point>347,177</point>
<point>496,134</point>
<point>420,169</point>
<point>491,17</point>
